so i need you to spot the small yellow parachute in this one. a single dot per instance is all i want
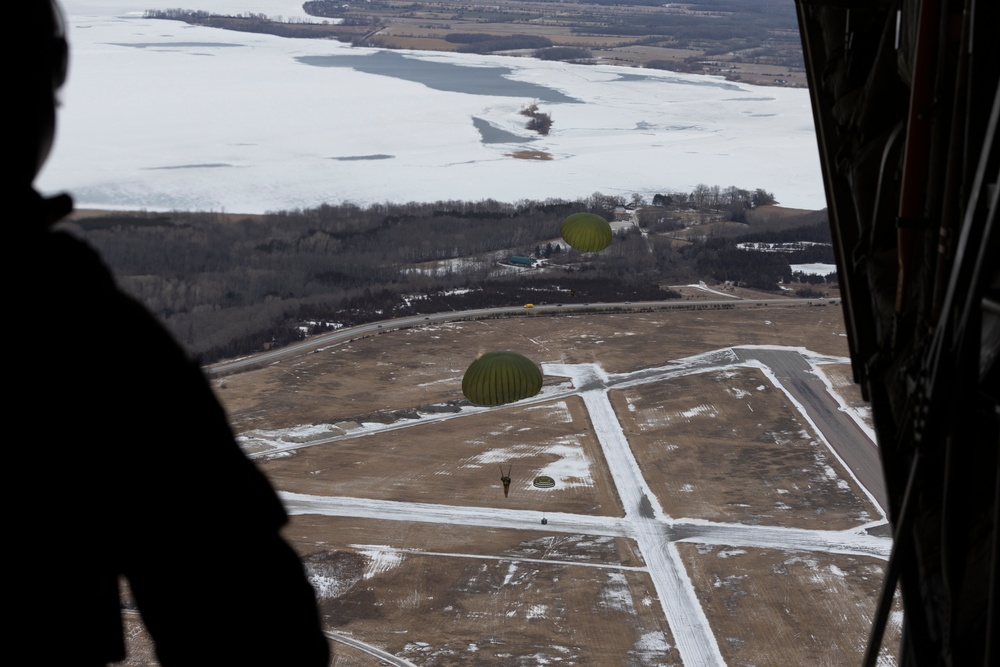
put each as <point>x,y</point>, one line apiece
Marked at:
<point>497,378</point>
<point>586,232</point>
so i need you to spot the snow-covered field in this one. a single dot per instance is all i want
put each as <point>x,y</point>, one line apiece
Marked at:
<point>161,115</point>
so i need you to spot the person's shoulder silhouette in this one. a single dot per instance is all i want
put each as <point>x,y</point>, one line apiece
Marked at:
<point>130,468</point>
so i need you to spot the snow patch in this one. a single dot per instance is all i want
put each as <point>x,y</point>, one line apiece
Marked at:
<point>258,440</point>
<point>727,553</point>
<point>616,594</point>
<point>700,410</point>
<point>381,558</point>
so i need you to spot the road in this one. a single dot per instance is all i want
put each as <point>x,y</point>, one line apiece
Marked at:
<point>655,534</point>
<point>844,436</point>
<point>374,328</point>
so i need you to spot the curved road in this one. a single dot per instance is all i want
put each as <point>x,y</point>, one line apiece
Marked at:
<point>363,330</point>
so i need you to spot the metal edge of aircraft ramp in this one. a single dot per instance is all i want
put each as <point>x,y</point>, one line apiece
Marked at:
<point>906,106</point>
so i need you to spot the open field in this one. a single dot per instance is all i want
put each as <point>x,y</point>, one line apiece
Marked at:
<point>750,47</point>
<point>397,464</point>
<point>697,518</point>
<point>761,599</point>
<point>745,444</point>
<point>400,370</point>
<point>456,592</point>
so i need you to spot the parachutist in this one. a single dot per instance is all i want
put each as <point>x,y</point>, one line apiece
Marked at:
<point>505,480</point>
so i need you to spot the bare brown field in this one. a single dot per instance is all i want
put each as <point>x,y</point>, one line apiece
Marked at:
<point>409,41</point>
<point>315,535</point>
<point>348,656</point>
<point>400,370</point>
<point>457,462</point>
<point>631,55</point>
<point>784,607</point>
<point>450,594</point>
<point>439,593</point>
<point>434,32</point>
<point>754,460</point>
<point>531,155</point>
<point>426,26</point>
<point>842,378</point>
<point>640,54</point>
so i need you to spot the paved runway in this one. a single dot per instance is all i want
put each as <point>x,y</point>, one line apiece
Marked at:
<point>847,439</point>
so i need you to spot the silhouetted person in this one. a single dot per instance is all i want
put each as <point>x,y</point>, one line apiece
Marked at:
<point>122,459</point>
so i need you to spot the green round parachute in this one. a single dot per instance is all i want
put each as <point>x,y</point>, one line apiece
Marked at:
<point>496,378</point>
<point>544,482</point>
<point>586,232</point>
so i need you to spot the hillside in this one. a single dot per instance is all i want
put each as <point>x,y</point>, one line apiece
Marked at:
<point>233,285</point>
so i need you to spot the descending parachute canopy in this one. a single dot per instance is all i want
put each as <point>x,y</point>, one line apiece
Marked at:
<point>544,482</point>
<point>496,378</point>
<point>586,232</point>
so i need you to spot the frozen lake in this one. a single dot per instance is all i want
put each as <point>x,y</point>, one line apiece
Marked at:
<point>452,77</point>
<point>161,115</point>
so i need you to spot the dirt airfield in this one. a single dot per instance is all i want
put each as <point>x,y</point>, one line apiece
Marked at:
<point>440,593</point>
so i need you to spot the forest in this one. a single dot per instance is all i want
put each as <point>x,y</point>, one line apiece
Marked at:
<point>228,285</point>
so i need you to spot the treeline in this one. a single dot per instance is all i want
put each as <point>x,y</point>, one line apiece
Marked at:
<point>348,30</point>
<point>815,233</point>
<point>723,260</point>
<point>226,284</point>
<point>733,200</point>
<point>230,285</point>
<point>571,54</point>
